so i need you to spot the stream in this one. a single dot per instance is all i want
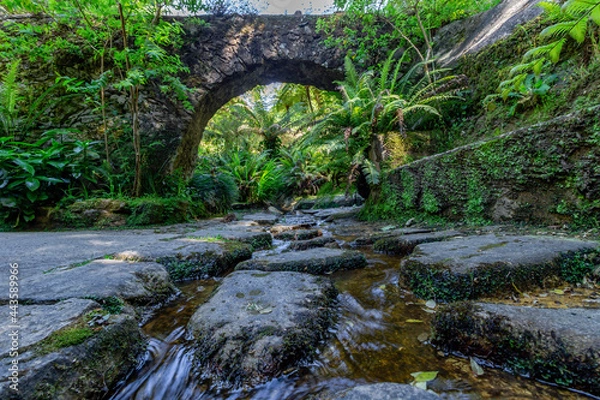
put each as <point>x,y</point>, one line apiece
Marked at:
<point>381,336</point>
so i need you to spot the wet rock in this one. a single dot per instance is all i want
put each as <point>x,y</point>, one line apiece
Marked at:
<point>404,244</point>
<point>276,229</point>
<point>254,236</point>
<point>80,371</point>
<point>314,261</point>
<point>476,266</point>
<point>192,258</point>
<point>372,237</point>
<point>258,324</point>
<point>262,218</point>
<point>37,322</point>
<point>140,284</point>
<point>332,214</point>
<point>555,345</point>
<point>299,245</point>
<point>384,391</point>
<point>298,234</point>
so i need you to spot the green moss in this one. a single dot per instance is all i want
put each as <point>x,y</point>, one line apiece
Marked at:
<point>66,337</point>
<point>461,328</point>
<point>575,266</point>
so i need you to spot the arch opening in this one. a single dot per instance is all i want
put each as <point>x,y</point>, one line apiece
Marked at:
<point>216,96</point>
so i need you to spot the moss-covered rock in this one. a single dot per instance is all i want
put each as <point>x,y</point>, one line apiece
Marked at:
<point>298,234</point>
<point>314,261</point>
<point>555,345</point>
<point>404,244</point>
<point>259,324</point>
<point>476,266</point>
<point>299,245</point>
<point>68,365</point>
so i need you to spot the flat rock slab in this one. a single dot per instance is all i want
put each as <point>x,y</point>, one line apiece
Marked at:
<point>254,236</point>
<point>384,391</point>
<point>332,214</point>
<point>405,243</point>
<point>140,284</point>
<point>258,324</point>
<point>555,345</point>
<point>81,371</point>
<point>262,218</point>
<point>37,322</point>
<point>476,266</point>
<point>321,241</point>
<point>298,234</point>
<point>314,261</point>
<point>372,237</point>
<point>192,257</point>
<point>290,227</point>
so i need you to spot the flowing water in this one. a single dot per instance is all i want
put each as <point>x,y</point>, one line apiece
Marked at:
<point>381,336</point>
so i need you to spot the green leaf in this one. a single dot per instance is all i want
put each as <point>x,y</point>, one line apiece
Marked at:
<point>554,53</point>
<point>8,202</point>
<point>26,166</point>
<point>424,376</point>
<point>32,184</point>
<point>595,14</point>
<point>476,368</point>
<point>578,31</point>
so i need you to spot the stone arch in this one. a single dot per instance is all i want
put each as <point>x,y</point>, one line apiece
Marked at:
<point>232,55</point>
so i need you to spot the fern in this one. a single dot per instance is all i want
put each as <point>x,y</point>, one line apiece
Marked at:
<point>574,17</point>
<point>9,95</point>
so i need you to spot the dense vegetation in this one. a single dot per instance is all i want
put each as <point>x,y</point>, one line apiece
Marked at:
<point>274,143</point>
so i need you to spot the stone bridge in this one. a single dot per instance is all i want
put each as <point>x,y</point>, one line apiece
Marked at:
<point>230,56</point>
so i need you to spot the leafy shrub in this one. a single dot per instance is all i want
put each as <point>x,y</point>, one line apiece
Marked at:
<point>157,210</point>
<point>34,174</point>
<point>216,192</point>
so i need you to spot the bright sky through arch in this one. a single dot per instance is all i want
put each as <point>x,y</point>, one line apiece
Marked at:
<point>291,6</point>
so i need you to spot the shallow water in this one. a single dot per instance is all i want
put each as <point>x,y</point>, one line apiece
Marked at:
<point>381,336</point>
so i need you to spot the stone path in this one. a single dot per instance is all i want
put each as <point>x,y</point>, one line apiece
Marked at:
<point>555,345</point>
<point>476,266</point>
<point>258,324</point>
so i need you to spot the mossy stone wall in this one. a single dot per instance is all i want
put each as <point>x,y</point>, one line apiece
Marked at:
<point>548,173</point>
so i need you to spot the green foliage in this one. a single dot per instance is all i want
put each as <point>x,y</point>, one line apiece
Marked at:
<point>158,210</point>
<point>366,27</point>
<point>216,192</point>
<point>33,174</point>
<point>574,19</point>
<point>575,267</point>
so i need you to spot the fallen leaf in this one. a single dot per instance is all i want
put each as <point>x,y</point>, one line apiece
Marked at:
<point>265,310</point>
<point>382,287</point>
<point>414,321</point>
<point>427,310</point>
<point>558,291</point>
<point>424,376</point>
<point>420,385</point>
<point>423,337</point>
<point>476,368</point>
<point>430,304</point>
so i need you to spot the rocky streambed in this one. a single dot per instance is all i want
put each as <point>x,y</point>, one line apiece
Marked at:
<point>318,315</point>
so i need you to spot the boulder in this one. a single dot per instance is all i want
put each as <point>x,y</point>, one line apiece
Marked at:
<point>139,283</point>
<point>372,237</point>
<point>404,244</point>
<point>258,324</point>
<point>61,366</point>
<point>554,345</point>
<point>314,261</point>
<point>252,235</point>
<point>298,234</point>
<point>322,241</point>
<point>192,257</point>
<point>262,218</point>
<point>332,214</point>
<point>476,266</point>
